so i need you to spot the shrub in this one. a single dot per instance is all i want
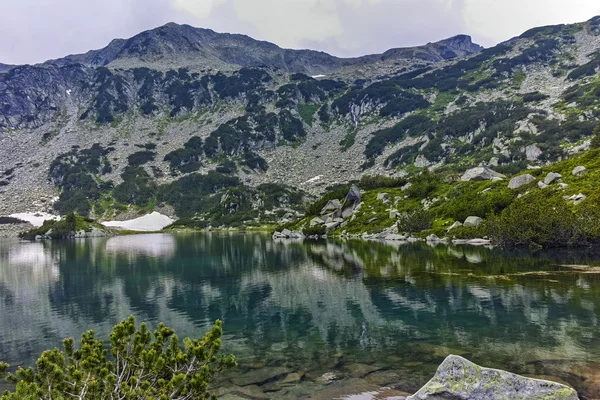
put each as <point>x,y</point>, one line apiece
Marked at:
<point>595,143</point>
<point>141,158</point>
<point>370,182</point>
<point>536,220</point>
<point>141,364</point>
<point>416,220</point>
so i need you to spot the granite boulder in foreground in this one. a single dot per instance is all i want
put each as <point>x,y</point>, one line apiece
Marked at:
<point>460,379</point>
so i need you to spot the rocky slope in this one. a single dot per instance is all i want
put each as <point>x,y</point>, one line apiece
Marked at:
<point>222,129</point>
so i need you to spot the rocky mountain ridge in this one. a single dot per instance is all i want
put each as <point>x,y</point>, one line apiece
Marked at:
<point>174,46</point>
<point>259,138</point>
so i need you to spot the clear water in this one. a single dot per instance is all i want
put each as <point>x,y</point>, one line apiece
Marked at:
<point>366,314</point>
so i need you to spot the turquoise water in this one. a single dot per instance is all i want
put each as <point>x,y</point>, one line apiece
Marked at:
<point>314,319</point>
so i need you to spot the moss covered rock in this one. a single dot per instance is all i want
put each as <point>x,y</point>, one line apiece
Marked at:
<point>460,379</point>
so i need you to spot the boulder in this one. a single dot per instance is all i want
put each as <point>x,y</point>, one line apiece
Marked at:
<point>480,174</point>
<point>383,196</point>
<point>454,225</point>
<point>580,170</point>
<point>551,178</point>
<point>332,207</point>
<point>316,221</point>
<point>520,180</point>
<point>473,221</point>
<point>460,379</point>
<point>353,195</point>
<point>542,185</point>
<point>433,238</point>
<point>394,214</point>
<point>332,226</point>
<point>577,198</point>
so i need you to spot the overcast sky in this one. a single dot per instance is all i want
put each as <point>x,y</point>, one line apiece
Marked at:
<point>36,30</point>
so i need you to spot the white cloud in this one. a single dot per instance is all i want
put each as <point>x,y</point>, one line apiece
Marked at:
<point>498,20</point>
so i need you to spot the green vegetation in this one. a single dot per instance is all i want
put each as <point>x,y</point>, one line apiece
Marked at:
<point>187,159</point>
<point>416,220</point>
<point>307,112</point>
<point>141,158</point>
<point>67,227</point>
<point>139,364</point>
<point>348,140</point>
<point>543,220</point>
<point>77,175</point>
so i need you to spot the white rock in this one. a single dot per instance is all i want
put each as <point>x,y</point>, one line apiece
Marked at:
<point>542,185</point>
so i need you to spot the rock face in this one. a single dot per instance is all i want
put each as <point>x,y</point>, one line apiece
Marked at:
<point>460,379</point>
<point>520,180</point>
<point>480,174</point>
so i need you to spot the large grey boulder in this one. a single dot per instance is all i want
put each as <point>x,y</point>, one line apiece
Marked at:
<point>520,180</point>
<point>316,221</point>
<point>480,174</point>
<point>332,209</point>
<point>352,201</point>
<point>551,178</point>
<point>460,379</point>
<point>580,170</point>
<point>473,221</point>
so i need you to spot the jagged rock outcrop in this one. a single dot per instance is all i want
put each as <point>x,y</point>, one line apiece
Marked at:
<point>460,379</point>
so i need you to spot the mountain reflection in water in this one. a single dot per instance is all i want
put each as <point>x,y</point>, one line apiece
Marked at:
<point>313,307</point>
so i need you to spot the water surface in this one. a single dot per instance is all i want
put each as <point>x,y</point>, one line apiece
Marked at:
<point>314,319</point>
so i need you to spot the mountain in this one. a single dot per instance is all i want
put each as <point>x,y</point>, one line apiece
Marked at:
<point>224,130</point>
<point>5,67</point>
<point>174,46</point>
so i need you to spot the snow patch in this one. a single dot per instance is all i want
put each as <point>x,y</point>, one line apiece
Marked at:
<point>148,223</point>
<point>318,76</point>
<point>315,179</point>
<point>35,218</point>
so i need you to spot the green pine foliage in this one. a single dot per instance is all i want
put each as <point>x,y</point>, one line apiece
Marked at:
<point>138,364</point>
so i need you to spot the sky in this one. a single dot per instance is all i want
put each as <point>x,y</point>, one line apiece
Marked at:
<point>33,31</point>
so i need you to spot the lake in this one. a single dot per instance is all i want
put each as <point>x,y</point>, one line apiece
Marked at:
<point>315,319</point>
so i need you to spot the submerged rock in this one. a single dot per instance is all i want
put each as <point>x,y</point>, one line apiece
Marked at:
<point>460,379</point>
